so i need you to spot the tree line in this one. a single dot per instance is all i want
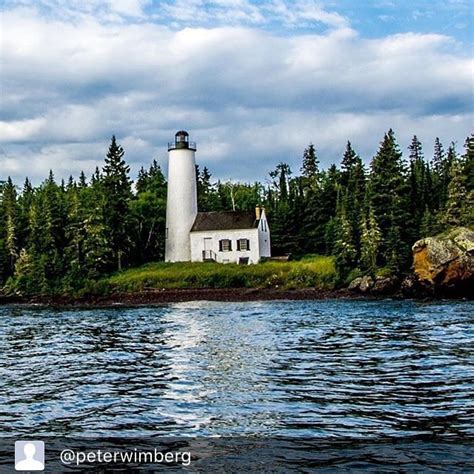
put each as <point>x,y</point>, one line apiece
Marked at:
<point>57,237</point>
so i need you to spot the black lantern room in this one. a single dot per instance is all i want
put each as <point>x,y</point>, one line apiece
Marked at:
<point>181,140</point>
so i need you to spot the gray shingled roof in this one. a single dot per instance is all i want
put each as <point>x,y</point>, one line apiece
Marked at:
<point>225,220</point>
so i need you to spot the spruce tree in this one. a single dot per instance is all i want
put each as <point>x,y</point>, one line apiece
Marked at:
<point>459,203</point>
<point>370,238</point>
<point>310,167</point>
<point>9,204</point>
<point>281,176</point>
<point>142,180</point>
<point>148,212</point>
<point>429,225</point>
<point>418,187</point>
<point>389,198</point>
<point>25,282</point>
<point>349,161</point>
<point>206,192</point>
<point>82,180</point>
<point>282,211</point>
<point>117,191</point>
<point>469,174</point>
<point>312,229</point>
<point>344,247</point>
<point>451,158</point>
<point>440,170</point>
<point>352,180</point>
<point>97,248</point>
<point>469,162</point>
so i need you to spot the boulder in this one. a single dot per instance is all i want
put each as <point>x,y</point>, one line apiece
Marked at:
<point>354,285</point>
<point>385,285</point>
<point>410,286</point>
<point>366,284</point>
<point>446,262</point>
<point>361,284</point>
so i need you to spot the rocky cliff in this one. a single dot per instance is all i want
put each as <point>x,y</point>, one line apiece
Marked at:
<point>445,263</point>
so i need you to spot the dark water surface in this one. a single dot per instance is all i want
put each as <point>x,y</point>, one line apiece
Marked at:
<point>337,386</point>
<point>314,370</point>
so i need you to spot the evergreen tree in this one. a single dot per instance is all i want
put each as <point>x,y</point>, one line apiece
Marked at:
<point>25,277</point>
<point>117,191</point>
<point>281,176</point>
<point>429,225</point>
<point>458,209</point>
<point>310,168</point>
<point>352,180</point>
<point>469,162</point>
<point>148,211</point>
<point>281,211</point>
<point>350,161</point>
<point>344,247</point>
<point>142,180</point>
<point>418,187</point>
<point>82,180</point>
<point>451,158</point>
<point>468,212</point>
<point>369,241</point>
<point>313,231</point>
<point>97,246</point>
<point>440,166</point>
<point>9,204</point>
<point>390,203</point>
<point>207,194</point>
<point>320,207</point>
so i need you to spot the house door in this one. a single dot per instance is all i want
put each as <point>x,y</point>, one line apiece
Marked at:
<point>207,243</point>
<point>207,253</point>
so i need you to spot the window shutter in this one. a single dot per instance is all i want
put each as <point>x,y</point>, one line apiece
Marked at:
<point>230,245</point>
<point>220,245</point>
<point>248,244</point>
<point>238,244</point>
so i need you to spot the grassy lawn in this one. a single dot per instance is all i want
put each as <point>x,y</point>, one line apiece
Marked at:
<point>312,271</point>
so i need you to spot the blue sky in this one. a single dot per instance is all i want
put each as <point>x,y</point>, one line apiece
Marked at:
<point>253,82</point>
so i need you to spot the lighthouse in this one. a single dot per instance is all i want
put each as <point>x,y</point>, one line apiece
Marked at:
<point>181,207</point>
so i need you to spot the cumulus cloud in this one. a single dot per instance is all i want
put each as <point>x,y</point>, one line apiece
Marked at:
<point>249,96</point>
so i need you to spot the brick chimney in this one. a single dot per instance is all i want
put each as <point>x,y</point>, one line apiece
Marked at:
<point>258,212</point>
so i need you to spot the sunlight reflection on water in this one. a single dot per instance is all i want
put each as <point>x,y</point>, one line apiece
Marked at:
<point>318,368</point>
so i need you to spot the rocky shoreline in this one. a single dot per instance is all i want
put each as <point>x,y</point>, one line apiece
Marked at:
<point>152,297</point>
<point>164,296</point>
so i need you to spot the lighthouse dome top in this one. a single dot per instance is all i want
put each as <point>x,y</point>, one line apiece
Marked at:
<point>181,141</point>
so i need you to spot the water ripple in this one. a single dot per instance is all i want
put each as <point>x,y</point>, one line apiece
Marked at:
<point>320,369</point>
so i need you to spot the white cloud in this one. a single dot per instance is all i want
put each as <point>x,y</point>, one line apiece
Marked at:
<point>20,130</point>
<point>190,12</point>
<point>306,11</point>
<point>248,96</point>
<point>112,10</point>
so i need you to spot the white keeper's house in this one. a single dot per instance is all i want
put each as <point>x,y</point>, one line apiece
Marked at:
<point>226,237</point>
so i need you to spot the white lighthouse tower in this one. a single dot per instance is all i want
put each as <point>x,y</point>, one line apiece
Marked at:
<point>181,207</point>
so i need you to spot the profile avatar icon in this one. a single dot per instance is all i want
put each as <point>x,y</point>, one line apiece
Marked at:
<point>29,456</point>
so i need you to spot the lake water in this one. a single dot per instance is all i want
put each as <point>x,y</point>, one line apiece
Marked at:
<point>311,369</point>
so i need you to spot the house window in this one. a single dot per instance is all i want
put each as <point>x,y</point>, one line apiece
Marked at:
<point>225,245</point>
<point>243,244</point>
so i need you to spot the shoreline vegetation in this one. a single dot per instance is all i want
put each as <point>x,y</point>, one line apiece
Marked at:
<point>350,230</point>
<point>312,278</point>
